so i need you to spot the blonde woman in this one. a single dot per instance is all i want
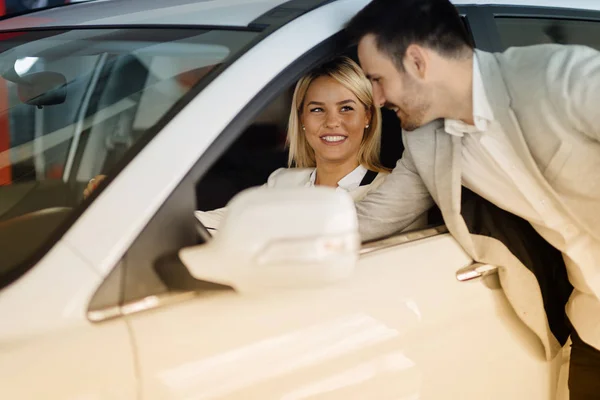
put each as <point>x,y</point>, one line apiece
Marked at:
<point>334,135</point>
<point>334,131</point>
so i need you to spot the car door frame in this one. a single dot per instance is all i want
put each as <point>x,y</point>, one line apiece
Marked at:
<point>488,14</point>
<point>160,240</point>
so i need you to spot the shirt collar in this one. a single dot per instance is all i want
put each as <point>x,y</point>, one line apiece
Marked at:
<point>349,182</point>
<point>482,111</point>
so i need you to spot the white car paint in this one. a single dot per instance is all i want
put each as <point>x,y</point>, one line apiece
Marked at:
<point>49,349</point>
<point>317,244</point>
<point>208,108</point>
<point>378,335</point>
<point>381,334</point>
<point>575,4</point>
<point>205,12</point>
<point>154,12</point>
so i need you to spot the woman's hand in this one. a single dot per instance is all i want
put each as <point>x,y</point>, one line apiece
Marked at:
<point>92,185</point>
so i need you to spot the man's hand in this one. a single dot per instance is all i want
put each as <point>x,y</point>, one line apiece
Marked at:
<point>92,185</point>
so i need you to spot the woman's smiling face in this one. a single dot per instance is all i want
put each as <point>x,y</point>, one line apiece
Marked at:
<point>334,121</point>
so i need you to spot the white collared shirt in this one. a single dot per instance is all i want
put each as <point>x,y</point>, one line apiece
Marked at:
<point>348,183</point>
<point>492,169</point>
<point>298,177</point>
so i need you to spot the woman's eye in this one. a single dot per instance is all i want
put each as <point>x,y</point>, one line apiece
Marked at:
<point>317,109</point>
<point>347,108</point>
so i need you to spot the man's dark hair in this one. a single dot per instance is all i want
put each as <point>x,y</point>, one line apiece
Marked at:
<point>396,24</point>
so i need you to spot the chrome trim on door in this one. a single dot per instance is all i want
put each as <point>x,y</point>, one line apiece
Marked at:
<point>474,271</point>
<point>104,314</point>
<point>156,301</point>
<point>141,305</point>
<point>164,299</point>
<point>402,238</point>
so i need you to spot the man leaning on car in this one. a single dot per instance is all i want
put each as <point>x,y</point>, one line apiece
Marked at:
<point>507,146</point>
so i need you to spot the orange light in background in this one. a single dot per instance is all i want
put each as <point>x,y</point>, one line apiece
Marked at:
<point>5,172</point>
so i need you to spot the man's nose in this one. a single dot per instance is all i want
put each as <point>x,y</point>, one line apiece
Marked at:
<point>378,96</point>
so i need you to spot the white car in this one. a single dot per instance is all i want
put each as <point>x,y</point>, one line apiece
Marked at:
<point>183,104</point>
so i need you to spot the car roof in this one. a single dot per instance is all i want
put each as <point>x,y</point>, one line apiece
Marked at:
<point>235,13</point>
<point>573,4</point>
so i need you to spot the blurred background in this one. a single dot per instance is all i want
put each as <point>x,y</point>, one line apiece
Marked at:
<point>19,6</point>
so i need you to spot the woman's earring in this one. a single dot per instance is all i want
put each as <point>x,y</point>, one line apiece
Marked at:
<point>367,127</point>
<point>303,128</point>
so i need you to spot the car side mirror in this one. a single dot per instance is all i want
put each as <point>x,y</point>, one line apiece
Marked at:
<point>276,239</point>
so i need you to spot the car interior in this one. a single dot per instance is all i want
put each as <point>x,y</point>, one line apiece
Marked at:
<point>260,150</point>
<point>132,92</point>
<point>248,162</point>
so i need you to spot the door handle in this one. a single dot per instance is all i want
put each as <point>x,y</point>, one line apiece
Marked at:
<point>474,271</point>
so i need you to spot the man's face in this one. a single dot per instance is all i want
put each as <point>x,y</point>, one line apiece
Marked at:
<point>403,92</point>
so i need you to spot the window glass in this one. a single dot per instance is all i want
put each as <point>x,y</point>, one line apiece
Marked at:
<point>530,31</point>
<point>72,103</point>
<point>249,161</point>
<point>153,268</point>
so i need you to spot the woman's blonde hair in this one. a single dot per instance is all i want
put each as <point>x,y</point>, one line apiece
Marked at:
<point>348,74</point>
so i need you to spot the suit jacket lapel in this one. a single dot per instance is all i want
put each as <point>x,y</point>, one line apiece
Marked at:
<point>448,179</point>
<point>499,99</point>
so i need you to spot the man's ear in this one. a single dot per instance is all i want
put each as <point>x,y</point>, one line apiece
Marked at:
<point>415,61</point>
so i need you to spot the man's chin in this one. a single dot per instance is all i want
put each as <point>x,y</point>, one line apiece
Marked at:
<point>409,126</point>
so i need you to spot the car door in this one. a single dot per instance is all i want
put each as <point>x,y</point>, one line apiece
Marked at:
<point>61,335</point>
<point>403,327</point>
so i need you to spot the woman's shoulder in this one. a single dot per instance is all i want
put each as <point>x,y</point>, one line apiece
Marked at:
<point>289,177</point>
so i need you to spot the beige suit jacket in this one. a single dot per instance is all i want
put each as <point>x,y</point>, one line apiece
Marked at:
<point>547,100</point>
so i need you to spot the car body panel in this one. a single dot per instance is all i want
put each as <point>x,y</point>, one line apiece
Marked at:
<point>52,296</point>
<point>81,362</point>
<point>215,106</point>
<point>150,12</point>
<point>375,335</point>
<point>239,13</point>
<point>48,347</point>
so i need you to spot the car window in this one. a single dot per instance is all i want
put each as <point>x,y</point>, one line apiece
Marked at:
<point>250,160</point>
<point>73,103</point>
<point>529,31</point>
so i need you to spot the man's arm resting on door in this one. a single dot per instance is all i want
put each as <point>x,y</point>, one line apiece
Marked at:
<point>395,204</point>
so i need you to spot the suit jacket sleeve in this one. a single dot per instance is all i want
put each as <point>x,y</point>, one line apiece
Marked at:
<point>398,202</point>
<point>576,69</point>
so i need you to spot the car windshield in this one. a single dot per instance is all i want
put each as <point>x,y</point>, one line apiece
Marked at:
<point>72,105</point>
